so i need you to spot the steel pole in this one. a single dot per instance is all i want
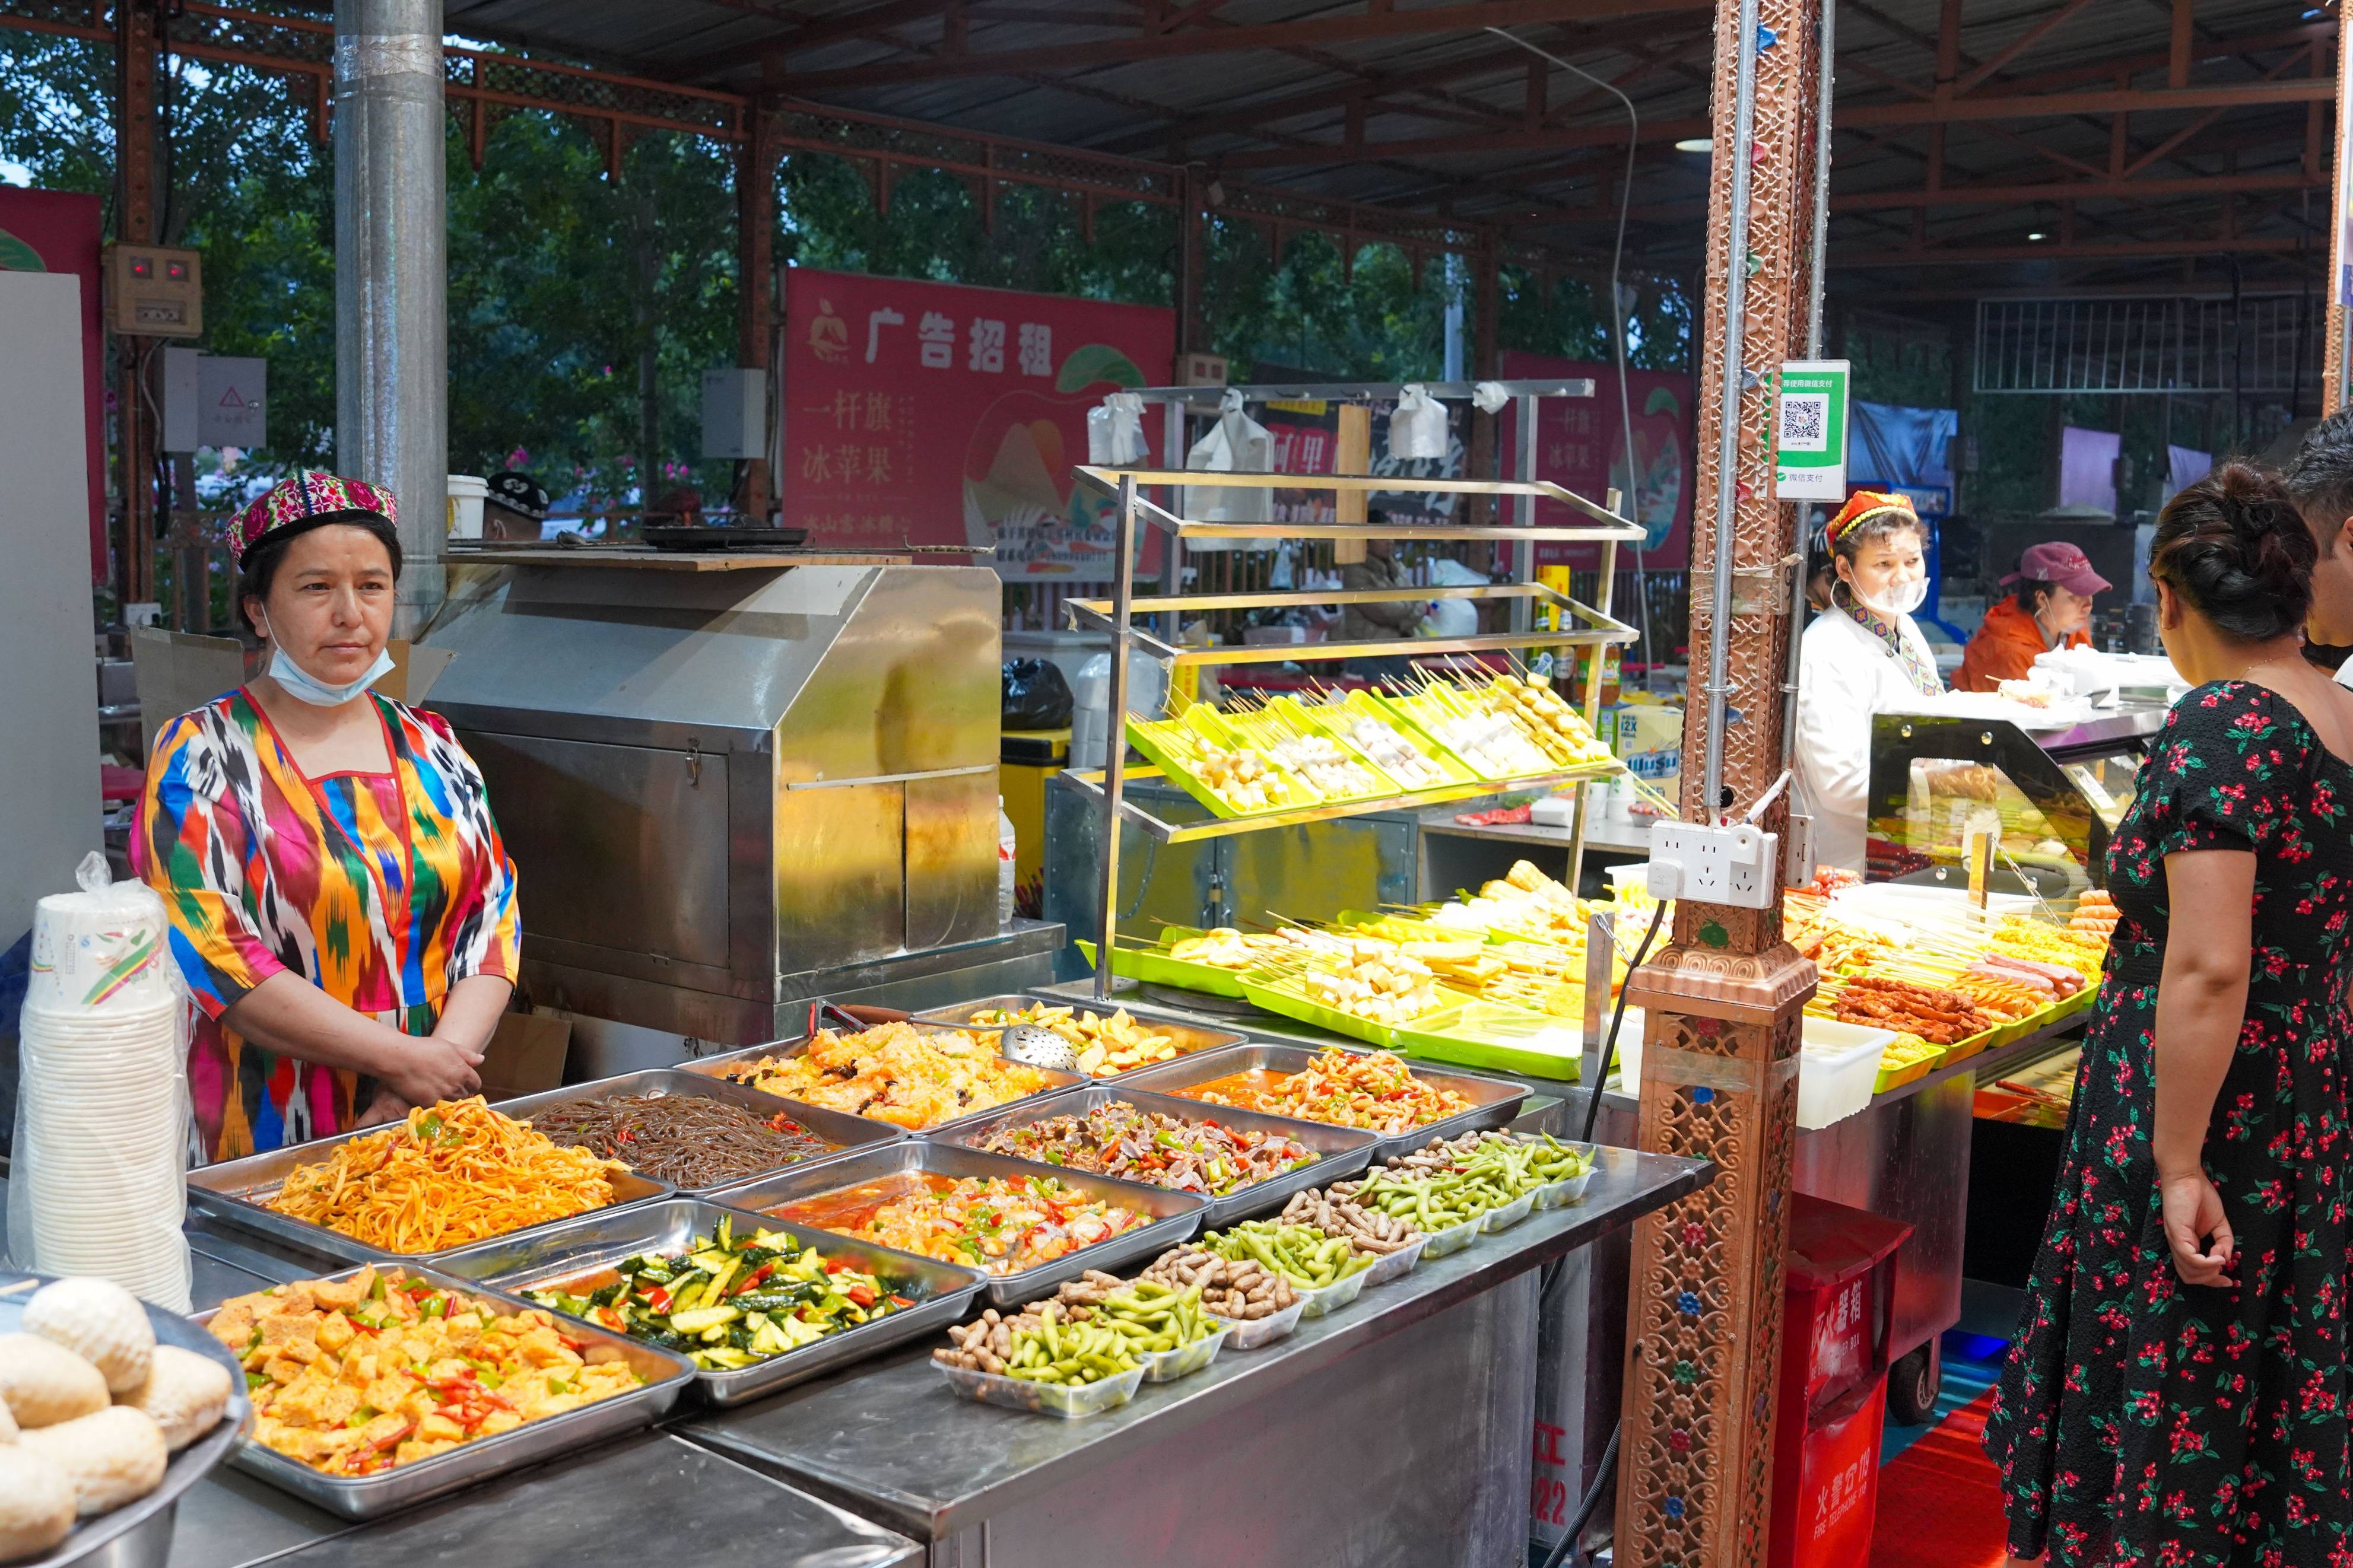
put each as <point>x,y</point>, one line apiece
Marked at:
<point>392,348</point>
<point>1727,435</point>
<point>1827,54</point>
<point>2339,351</point>
<point>1115,784</point>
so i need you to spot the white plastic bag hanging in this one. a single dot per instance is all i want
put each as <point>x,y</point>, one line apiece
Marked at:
<point>1489,397</point>
<point>1116,431</point>
<point>1236,444</point>
<point>1417,428</point>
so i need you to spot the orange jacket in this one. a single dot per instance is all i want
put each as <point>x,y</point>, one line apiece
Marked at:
<point>2005,647</point>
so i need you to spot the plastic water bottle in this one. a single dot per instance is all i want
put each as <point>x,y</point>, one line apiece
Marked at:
<point>1005,853</point>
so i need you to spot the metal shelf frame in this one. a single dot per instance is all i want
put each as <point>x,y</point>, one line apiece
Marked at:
<point>1134,512</point>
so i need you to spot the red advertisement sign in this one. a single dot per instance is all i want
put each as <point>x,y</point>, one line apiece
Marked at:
<point>1581,444</point>
<point>57,231</point>
<point>937,414</point>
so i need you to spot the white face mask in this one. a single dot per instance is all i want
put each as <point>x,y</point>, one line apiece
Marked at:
<point>1901,600</point>
<point>304,687</point>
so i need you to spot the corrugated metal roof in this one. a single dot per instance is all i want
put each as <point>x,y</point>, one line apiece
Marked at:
<point>1279,116</point>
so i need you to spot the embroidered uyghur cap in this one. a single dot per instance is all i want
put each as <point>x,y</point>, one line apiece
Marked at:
<point>1864,505</point>
<point>519,493</point>
<point>305,501</point>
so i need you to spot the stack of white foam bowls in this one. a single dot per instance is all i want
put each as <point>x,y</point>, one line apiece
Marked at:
<point>101,1142</point>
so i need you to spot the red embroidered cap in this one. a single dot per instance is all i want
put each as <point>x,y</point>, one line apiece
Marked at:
<point>308,498</point>
<point>1864,505</point>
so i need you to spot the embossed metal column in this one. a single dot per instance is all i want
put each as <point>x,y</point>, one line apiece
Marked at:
<point>1722,1003</point>
<point>392,339</point>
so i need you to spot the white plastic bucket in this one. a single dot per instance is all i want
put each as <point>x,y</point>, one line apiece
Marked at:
<point>467,493</point>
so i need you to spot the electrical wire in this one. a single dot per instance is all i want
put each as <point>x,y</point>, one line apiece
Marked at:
<point>1618,1016</point>
<point>1616,317</point>
<point>1567,1545</point>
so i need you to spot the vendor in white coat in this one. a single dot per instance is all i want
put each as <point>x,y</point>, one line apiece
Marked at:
<point>1861,656</point>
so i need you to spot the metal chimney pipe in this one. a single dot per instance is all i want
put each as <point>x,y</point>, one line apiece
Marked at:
<point>392,349</point>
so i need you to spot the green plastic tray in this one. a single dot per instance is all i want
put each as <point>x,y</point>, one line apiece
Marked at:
<point>1155,967</point>
<point>1500,1037</point>
<point>1181,774</point>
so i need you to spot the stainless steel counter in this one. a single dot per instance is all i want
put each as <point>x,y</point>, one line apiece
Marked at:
<point>1270,1455</point>
<point>1394,1431</point>
<point>650,1497</point>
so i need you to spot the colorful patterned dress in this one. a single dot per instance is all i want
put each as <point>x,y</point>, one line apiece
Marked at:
<point>381,889</point>
<point>2141,1420</point>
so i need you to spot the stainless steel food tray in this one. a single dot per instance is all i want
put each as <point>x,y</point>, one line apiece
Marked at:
<point>1179,1214</point>
<point>236,1191</point>
<point>718,1065</point>
<point>847,1133</point>
<point>1493,1100</point>
<point>1189,1037</point>
<point>141,1530</point>
<point>667,1378</point>
<point>557,1253</point>
<point>1344,1150</point>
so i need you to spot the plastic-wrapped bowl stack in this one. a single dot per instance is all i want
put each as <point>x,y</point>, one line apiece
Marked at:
<point>96,1185</point>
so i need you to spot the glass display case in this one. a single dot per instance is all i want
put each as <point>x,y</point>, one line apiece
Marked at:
<point>2050,796</point>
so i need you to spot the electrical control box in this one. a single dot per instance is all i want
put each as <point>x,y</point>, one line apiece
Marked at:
<point>735,413</point>
<point>155,292</point>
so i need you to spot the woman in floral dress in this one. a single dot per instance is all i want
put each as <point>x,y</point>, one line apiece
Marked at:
<point>2177,1395</point>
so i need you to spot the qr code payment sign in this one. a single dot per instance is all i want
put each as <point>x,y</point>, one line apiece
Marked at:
<point>1805,422</point>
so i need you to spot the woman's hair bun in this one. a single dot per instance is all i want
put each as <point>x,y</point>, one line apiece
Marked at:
<point>2234,546</point>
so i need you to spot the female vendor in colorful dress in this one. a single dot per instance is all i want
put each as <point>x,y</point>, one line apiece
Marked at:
<point>340,901</point>
<point>1861,656</point>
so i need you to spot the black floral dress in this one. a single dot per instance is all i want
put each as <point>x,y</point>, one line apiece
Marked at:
<point>2141,1420</point>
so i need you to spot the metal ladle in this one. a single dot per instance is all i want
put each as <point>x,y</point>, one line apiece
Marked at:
<point>1038,1048</point>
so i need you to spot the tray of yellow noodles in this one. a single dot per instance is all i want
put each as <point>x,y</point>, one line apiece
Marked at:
<point>449,1176</point>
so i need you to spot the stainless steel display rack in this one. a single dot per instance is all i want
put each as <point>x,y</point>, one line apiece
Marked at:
<point>1593,628</point>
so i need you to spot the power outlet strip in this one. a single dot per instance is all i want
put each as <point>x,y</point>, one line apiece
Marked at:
<point>1732,865</point>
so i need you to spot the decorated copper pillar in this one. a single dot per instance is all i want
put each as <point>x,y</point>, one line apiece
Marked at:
<point>1722,1002</point>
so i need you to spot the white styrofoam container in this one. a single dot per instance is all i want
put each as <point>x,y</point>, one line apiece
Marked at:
<point>1838,1068</point>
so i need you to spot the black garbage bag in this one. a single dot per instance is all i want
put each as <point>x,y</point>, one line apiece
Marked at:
<point>1036,695</point>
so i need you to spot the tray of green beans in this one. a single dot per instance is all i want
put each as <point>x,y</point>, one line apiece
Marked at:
<point>1053,1366</point>
<point>1324,1271</point>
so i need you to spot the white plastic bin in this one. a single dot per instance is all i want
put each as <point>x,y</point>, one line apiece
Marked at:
<point>1837,1067</point>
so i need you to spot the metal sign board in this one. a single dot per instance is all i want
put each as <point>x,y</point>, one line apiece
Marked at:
<point>209,401</point>
<point>1810,430</point>
<point>232,402</point>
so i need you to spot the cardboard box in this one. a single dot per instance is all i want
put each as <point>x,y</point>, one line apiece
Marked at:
<point>526,1055</point>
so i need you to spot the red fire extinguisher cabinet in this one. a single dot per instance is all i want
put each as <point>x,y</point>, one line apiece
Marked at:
<point>1837,1288</point>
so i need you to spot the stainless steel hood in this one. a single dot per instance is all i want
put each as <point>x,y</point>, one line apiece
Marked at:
<point>721,783</point>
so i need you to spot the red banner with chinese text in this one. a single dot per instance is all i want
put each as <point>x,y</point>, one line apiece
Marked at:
<point>936,413</point>
<point>1581,445</point>
<point>58,231</point>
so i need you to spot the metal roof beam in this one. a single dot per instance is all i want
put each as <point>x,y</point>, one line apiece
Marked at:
<point>1441,146</point>
<point>1322,31</point>
<point>2114,101</point>
<point>1974,255</point>
<point>2070,190</point>
<point>813,35</point>
<point>1242,117</point>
